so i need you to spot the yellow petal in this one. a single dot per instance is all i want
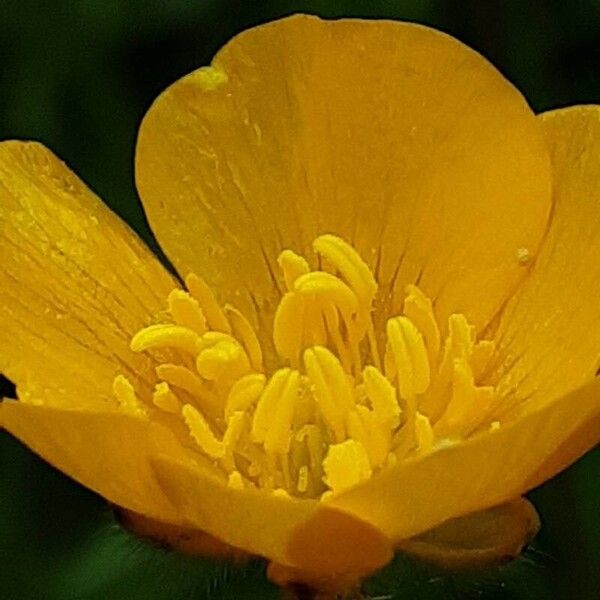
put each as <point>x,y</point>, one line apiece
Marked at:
<point>487,470</point>
<point>479,539</point>
<point>75,283</point>
<point>304,534</point>
<point>548,341</point>
<point>106,452</point>
<point>394,136</point>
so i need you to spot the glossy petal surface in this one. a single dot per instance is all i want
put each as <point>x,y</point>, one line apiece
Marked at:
<point>75,284</point>
<point>106,452</point>
<point>392,135</point>
<point>479,539</point>
<point>484,471</point>
<point>305,534</point>
<point>549,335</point>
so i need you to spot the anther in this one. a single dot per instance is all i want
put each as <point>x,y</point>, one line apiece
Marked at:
<point>126,396</point>
<point>166,335</point>
<point>324,286</point>
<point>293,266</point>
<point>244,393</point>
<point>245,334</point>
<point>165,399</point>
<point>345,465</point>
<point>186,311</point>
<point>209,305</point>
<point>202,433</point>
<point>410,357</point>
<point>332,390</point>
<point>349,263</point>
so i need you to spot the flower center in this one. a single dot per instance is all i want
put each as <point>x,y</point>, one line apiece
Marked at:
<point>341,407</point>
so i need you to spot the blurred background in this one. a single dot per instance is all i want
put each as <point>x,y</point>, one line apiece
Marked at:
<point>78,75</point>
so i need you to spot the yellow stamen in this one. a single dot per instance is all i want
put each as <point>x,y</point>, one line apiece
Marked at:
<point>424,434</point>
<point>235,426</point>
<point>468,405</point>
<point>418,308</point>
<point>202,293</point>
<point>181,377</point>
<point>225,359</point>
<point>243,331</point>
<point>327,287</point>
<point>345,465</point>
<point>382,395</point>
<point>267,404</point>
<point>277,438</point>
<point>165,335</point>
<point>288,326</point>
<point>349,263</point>
<point>165,399</point>
<point>126,396</point>
<point>244,393</point>
<point>407,348</point>
<point>186,311</point>
<point>184,379</point>
<point>293,266</point>
<point>320,423</point>
<point>201,432</point>
<point>332,391</point>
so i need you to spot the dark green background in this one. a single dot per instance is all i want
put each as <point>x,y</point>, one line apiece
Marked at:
<point>78,75</point>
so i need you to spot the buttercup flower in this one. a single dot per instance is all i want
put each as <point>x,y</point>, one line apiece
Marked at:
<point>384,329</point>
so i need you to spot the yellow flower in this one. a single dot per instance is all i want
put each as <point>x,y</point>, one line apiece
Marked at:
<point>386,328</point>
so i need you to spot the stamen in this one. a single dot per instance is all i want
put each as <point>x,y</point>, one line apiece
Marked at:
<point>349,263</point>
<point>235,426</point>
<point>410,357</point>
<point>267,404</point>
<point>288,326</point>
<point>186,311</point>
<point>332,391</point>
<point>424,434</point>
<point>382,395</point>
<point>468,405</point>
<point>184,379</point>
<point>293,266</point>
<point>418,308</point>
<point>165,399</point>
<point>327,287</point>
<point>244,393</point>
<point>165,335</point>
<point>214,315</point>
<point>277,438</point>
<point>202,433</point>
<point>346,465</point>
<point>126,396</point>
<point>224,360</point>
<point>243,331</point>
<point>321,423</point>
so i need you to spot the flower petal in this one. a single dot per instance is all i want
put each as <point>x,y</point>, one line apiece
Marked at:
<point>487,470</point>
<point>106,452</point>
<point>75,283</point>
<point>392,135</point>
<point>549,335</point>
<point>304,534</point>
<point>479,539</point>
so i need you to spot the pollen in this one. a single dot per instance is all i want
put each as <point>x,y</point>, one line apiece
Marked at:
<point>345,401</point>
